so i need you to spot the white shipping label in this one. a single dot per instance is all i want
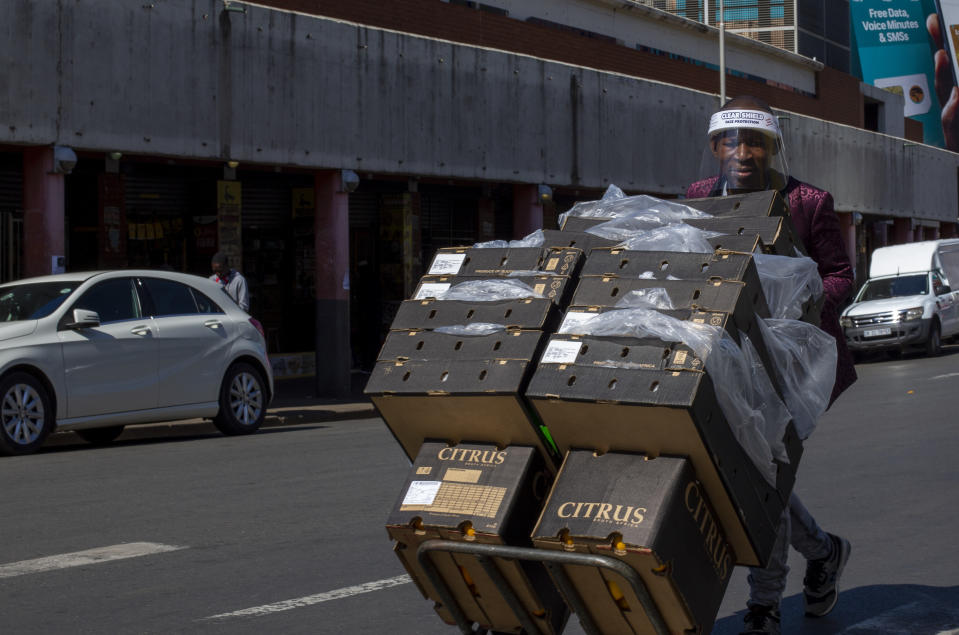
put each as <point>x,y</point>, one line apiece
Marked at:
<point>447,264</point>
<point>431,290</point>
<point>574,319</point>
<point>561,352</point>
<point>422,492</point>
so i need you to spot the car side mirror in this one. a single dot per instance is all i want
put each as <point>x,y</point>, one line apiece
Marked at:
<point>944,289</point>
<point>82,318</point>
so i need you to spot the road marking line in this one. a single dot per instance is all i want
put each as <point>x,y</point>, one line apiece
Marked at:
<point>947,375</point>
<point>309,600</point>
<point>81,558</point>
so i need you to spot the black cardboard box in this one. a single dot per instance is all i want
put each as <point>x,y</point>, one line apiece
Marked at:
<point>578,239</point>
<point>745,244</point>
<point>765,203</point>
<point>556,288</point>
<point>483,494</point>
<point>582,223</point>
<point>655,516</point>
<point>727,296</point>
<point>433,345</point>
<point>501,261</point>
<point>525,313</point>
<point>667,412</point>
<point>458,400</point>
<point>663,265</point>
<point>629,352</point>
<point>777,232</point>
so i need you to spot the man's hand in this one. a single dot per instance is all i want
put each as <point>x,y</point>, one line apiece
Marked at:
<point>945,86</point>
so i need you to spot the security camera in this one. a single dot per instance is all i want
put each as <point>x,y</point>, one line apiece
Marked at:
<point>64,160</point>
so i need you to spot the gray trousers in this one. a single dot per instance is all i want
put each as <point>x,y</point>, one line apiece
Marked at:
<point>798,528</point>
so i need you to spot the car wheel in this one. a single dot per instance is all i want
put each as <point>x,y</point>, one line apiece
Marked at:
<point>26,414</point>
<point>242,401</point>
<point>934,343</point>
<point>100,436</point>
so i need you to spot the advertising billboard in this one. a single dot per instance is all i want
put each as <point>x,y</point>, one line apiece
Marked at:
<point>893,50</point>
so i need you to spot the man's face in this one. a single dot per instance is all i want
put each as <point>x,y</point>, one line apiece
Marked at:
<point>743,158</point>
<point>218,269</point>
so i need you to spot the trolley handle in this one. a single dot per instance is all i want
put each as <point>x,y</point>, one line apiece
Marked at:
<point>553,560</point>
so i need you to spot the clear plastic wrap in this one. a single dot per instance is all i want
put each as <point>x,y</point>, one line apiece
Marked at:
<point>477,329</point>
<point>644,322</point>
<point>535,239</point>
<point>755,413</point>
<point>651,298</point>
<point>804,359</point>
<point>615,204</point>
<point>788,282</point>
<point>489,291</point>
<point>673,237</point>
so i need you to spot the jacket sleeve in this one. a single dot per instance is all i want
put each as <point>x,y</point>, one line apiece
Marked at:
<point>827,249</point>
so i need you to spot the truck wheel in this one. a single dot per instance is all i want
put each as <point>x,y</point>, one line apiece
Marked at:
<point>934,343</point>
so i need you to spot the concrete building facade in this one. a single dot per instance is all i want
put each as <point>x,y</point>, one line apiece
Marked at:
<point>331,147</point>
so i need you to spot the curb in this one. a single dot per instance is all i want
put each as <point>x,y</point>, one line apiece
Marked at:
<point>286,415</point>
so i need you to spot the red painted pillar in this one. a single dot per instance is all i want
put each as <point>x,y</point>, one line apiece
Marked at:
<point>331,230</point>
<point>847,228</point>
<point>902,231</point>
<point>44,230</point>
<point>527,210</point>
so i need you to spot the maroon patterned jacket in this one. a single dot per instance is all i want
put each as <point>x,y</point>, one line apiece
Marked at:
<point>818,228</point>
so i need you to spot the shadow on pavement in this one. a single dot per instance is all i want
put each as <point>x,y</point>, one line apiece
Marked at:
<point>889,609</point>
<point>885,356</point>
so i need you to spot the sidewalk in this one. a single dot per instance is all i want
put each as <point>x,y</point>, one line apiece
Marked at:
<point>294,404</point>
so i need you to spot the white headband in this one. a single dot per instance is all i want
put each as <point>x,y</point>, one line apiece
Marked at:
<point>755,119</point>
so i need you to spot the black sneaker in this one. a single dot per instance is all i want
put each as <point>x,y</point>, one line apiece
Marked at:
<point>821,584</point>
<point>761,620</point>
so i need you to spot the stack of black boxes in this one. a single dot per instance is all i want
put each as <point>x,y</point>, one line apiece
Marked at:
<point>652,472</point>
<point>482,463</point>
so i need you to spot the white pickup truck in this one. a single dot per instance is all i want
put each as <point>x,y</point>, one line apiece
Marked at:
<point>908,301</point>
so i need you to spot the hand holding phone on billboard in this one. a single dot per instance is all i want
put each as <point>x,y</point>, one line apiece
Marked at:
<point>943,27</point>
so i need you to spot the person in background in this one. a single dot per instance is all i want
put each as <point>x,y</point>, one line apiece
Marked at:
<point>231,279</point>
<point>745,154</point>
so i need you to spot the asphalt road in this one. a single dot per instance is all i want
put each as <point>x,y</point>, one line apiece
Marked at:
<point>283,531</point>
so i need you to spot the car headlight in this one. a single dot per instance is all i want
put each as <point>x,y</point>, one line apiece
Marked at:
<point>914,313</point>
<point>845,322</point>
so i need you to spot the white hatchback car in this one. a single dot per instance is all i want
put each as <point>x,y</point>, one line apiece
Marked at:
<point>93,352</point>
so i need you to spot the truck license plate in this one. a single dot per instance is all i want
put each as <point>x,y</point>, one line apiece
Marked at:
<point>877,332</point>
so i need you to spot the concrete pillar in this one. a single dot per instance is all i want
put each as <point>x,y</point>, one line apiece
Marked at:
<point>902,231</point>
<point>331,229</point>
<point>527,210</point>
<point>847,228</point>
<point>43,220</point>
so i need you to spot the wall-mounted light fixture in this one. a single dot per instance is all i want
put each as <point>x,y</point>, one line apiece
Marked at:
<point>64,160</point>
<point>350,180</point>
<point>115,156</point>
<point>232,164</point>
<point>545,193</point>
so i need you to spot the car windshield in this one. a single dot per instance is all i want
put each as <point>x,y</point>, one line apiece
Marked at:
<point>35,300</point>
<point>894,287</point>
